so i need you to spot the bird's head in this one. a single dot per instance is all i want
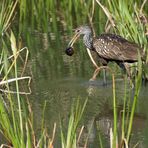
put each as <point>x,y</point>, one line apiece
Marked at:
<point>82,30</point>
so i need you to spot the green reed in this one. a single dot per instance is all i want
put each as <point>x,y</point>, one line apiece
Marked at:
<point>49,15</point>
<point>126,20</point>
<point>6,15</point>
<point>15,121</point>
<point>16,117</point>
<point>117,138</point>
<point>71,139</point>
<point>138,81</point>
<point>11,119</point>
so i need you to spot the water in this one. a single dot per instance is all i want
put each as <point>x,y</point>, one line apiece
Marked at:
<point>59,80</point>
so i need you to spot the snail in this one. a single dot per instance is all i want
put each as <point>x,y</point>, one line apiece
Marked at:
<point>69,51</point>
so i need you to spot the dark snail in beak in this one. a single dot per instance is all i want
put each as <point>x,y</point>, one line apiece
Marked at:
<point>69,51</point>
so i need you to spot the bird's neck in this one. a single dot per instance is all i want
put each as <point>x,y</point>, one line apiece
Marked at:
<point>88,41</point>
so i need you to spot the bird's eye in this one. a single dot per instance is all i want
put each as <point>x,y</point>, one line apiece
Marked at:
<point>78,30</point>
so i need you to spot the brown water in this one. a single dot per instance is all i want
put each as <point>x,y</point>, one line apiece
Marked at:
<point>60,79</point>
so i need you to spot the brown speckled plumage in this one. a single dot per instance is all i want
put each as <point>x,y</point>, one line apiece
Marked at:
<point>113,47</point>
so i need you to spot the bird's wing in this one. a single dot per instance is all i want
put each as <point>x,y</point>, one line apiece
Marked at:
<point>114,47</point>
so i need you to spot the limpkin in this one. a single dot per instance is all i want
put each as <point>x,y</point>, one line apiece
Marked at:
<point>109,47</point>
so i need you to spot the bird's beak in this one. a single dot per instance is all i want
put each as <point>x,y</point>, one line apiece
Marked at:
<point>74,38</point>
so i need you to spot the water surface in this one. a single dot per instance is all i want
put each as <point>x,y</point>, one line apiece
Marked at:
<point>59,80</point>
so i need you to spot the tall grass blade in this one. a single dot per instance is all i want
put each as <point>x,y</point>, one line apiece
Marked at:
<point>115,113</point>
<point>75,117</point>
<point>138,81</point>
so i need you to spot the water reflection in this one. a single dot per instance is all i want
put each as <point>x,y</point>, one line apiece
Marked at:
<point>103,123</point>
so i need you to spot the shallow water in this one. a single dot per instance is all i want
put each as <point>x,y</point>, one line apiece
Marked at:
<point>60,79</point>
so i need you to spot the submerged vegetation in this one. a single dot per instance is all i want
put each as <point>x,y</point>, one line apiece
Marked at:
<point>127,18</point>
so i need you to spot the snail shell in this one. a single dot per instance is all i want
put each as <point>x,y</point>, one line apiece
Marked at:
<point>69,51</point>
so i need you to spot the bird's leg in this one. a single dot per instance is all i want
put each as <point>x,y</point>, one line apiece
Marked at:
<point>96,72</point>
<point>104,77</point>
<point>129,75</point>
<point>126,69</point>
<point>94,63</point>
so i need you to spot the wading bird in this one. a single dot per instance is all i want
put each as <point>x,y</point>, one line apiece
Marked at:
<point>109,48</point>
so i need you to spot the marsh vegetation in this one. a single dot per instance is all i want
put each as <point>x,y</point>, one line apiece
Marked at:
<point>46,99</point>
